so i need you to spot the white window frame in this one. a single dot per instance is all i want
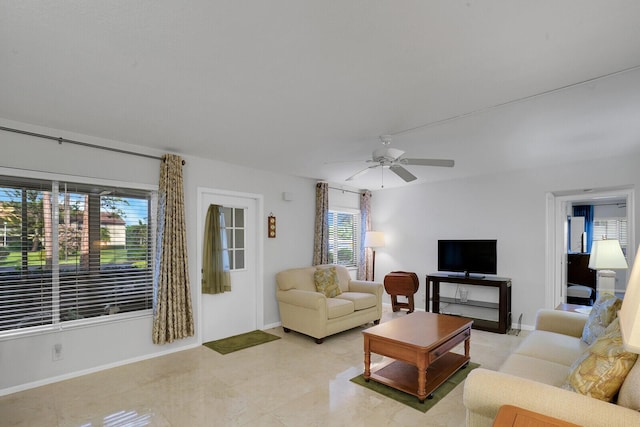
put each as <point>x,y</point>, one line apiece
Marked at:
<point>56,325</point>
<point>356,240</point>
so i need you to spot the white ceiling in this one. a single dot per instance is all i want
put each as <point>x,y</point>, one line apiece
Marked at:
<point>302,86</point>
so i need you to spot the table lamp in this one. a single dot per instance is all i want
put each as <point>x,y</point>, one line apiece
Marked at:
<point>629,314</point>
<point>606,255</point>
<point>373,239</point>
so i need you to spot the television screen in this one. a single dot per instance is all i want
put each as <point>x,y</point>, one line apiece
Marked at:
<point>468,256</point>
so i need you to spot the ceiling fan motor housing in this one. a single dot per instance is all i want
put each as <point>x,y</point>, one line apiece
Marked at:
<point>386,154</point>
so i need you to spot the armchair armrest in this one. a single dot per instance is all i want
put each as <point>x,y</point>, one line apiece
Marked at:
<point>368,287</point>
<point>306,299</point>
<point>486,391</point>
<point>561,322</point>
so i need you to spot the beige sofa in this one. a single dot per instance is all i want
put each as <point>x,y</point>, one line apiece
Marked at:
<point>304,310</point>
<point>531,378</point>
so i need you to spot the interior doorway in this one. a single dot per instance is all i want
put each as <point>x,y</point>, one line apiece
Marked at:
<point>559,210</point>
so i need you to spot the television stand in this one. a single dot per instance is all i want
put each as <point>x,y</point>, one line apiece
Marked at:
<point>486,316</point>
<point>467,275</point>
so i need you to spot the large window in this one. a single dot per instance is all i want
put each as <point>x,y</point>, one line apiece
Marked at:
<point>611,228</point>
<point>343,238</point>
<point>71,251</point>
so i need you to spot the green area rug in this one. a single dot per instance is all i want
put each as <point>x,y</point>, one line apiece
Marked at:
<point>411,400</point>
<point>239,342</point>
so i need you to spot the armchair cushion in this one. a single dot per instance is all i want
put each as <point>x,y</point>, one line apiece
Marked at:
<point>602,314</point>
<point>629,395</point>
<point>602,369</point>
<point>565,349</point>
<point>360,300</point>
<point>338,307</point>
<point>326,281</point>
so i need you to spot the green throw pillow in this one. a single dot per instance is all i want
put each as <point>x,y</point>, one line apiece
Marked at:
<point>604,311</point>
<point>600,371</point>
<point>327,283</point>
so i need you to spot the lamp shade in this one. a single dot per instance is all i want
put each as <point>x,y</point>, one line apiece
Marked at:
<point>607,255</point>
<point>374,239</point>
<point>629,314</point>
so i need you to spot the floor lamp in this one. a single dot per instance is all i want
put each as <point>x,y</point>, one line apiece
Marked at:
<point>606,255</point>
<point>374,239</point>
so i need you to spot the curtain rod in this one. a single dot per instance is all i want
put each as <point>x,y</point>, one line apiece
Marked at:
<point>343,190</point>
<point>84,144</point>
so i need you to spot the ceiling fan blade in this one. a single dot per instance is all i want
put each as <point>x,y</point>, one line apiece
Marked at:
<point>428,162</point>
<point>403,173</point>
<point>359,174</point>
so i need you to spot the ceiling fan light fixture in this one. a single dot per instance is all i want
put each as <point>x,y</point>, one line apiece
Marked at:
<point>387,154</point>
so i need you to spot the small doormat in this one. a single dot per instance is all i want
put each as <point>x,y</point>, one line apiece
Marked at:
<point>411,400</point>
<point>239,342</point>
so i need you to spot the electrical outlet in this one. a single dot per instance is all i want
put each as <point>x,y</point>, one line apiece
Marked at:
<point>56,352</point>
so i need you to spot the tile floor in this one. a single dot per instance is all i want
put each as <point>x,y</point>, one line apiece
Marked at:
<point>287,382</point>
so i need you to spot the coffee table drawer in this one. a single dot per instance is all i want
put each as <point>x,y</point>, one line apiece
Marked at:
<point>445,347</point>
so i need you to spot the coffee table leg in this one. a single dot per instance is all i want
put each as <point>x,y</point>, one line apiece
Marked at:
<point>467,344</point>
<point>422,379</point>
<point>367,360</point>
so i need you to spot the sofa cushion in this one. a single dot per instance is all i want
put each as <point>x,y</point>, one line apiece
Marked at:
<point>360,300</point>
<point>542,371</point>
<point>326,281</point>
<point>629,395</point>
<point>604,310</point>
<point>296,278</point>
<point>556,348</point>
<point>344,277</point>
<point>338,307</point>
<point>602,369</point>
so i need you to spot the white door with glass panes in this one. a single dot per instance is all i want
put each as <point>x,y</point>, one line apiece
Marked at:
<point>235,312</point>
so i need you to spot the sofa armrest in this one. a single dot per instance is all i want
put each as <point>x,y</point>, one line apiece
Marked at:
<point>306,299</point>
<point>368,287</point>
<point>561,322</point>
<point>486,391</point>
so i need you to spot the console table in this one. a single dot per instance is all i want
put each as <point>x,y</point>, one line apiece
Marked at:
<point>487,316</point>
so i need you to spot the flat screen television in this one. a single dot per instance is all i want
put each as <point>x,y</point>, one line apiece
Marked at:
<point>470,257</point>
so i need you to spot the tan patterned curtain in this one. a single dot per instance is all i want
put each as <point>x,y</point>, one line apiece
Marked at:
<point>321,235</point>
<point>216,277</point>
<point>365,265</point>
<point>172,310</point>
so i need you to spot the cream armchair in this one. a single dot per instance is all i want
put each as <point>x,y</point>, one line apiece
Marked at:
<point>307,311</point>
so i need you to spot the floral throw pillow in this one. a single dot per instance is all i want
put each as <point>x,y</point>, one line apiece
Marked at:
<point>603,367</point>
<point>604,311</point>
<point>326,280</point>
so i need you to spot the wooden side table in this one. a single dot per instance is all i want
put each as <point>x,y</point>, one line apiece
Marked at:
<point>513,416</point>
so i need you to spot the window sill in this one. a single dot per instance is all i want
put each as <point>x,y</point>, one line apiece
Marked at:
<point>74,324</point>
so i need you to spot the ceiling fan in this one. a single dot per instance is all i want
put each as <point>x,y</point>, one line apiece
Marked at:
<point>392,159</point>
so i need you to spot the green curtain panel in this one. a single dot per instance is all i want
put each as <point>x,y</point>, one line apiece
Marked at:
<point>216,277</point>
<point>321,234</point>
<point>172,309</point>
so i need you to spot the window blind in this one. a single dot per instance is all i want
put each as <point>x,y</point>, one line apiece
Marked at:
<point>611,228</point>
<point>343,238</point>
<point>72,251</point>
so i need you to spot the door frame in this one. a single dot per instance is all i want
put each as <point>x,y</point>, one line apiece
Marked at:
<point>259,258</point>
<point>556,246</point>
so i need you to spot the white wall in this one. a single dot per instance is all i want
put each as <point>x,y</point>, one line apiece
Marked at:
<point>508,207</point>
<point>27,361</point>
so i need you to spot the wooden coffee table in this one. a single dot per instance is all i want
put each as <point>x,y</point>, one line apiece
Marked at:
<point>420,343</point>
